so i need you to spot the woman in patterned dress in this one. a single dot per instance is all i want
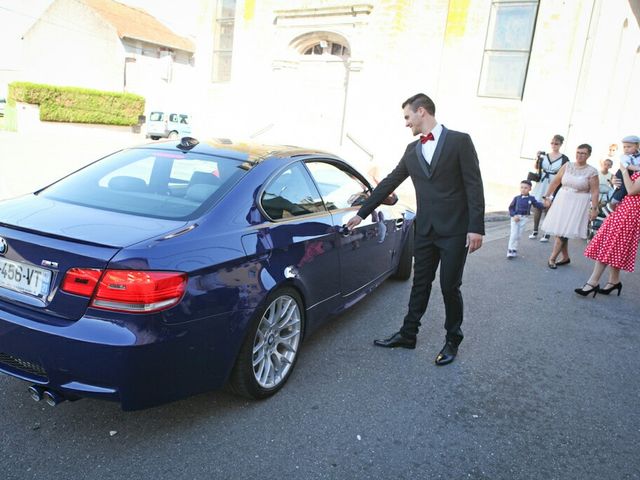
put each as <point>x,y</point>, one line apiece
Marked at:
<point>616,243</point>
<point>569,215</point>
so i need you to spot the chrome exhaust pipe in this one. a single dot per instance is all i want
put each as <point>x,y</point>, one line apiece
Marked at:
<point>36,392</point>
<point>53,398</point>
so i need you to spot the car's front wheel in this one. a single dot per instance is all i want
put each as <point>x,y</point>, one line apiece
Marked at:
<point>271,347</point>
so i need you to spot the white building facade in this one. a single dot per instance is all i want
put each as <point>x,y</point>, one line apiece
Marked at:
<point>333,74</point>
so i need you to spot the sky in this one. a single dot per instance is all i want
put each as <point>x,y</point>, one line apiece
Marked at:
<point>17,16</point>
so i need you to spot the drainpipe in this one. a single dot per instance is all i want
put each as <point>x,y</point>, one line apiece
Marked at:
<point>347,64</point>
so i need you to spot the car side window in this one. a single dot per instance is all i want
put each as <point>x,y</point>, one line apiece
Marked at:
<point>291,194</point>
<point>339,188</point>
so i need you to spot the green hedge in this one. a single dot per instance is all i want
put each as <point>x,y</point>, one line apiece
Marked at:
<point>79,105</point>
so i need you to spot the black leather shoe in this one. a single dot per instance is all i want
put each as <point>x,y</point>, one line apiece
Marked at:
<point>614,286</point>
<point>396,340</point>
<point>594,289</point>
<point>447,354</point>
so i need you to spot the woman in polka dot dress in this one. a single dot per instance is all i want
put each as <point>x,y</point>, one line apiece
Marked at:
<point>616,243</point>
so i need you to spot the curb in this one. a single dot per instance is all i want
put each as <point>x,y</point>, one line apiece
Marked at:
<point>496,216</point>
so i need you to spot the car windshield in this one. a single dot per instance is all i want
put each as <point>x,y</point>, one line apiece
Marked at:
<point>156,116</point>
<point>151,183</point>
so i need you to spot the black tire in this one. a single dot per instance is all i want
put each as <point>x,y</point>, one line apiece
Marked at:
<point>173,135</point>
<point>244,379</point>
<point>405,263</point>
<point>154,137</point>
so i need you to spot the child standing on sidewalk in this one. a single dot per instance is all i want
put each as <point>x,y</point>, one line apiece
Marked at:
<point>519,211</point>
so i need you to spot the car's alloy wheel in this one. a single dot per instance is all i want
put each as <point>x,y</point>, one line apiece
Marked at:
<point>276,342</point>
<point>173,135</point>
<point>271,348</point>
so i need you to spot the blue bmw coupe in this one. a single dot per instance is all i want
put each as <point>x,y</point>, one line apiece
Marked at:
<point>173,268</point>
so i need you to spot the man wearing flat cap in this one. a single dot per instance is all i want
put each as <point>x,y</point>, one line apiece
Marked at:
<point>631,158</point>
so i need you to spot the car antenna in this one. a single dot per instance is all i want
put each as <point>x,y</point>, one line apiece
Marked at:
<point>187,143</point>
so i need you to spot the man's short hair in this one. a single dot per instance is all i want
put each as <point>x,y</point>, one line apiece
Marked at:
<point>526,181</point>
<point>586,147</point>
<point>421,100</point>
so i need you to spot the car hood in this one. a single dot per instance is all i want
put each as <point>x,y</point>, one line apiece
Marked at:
<point>51,217</point>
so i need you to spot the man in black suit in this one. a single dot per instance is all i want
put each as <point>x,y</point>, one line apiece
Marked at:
<point>444,168</point>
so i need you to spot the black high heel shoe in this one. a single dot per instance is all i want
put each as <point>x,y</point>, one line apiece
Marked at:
<point>614,286</point>
<point>594,289</point>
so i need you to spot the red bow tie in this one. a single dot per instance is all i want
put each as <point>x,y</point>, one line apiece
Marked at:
<point>426,138</point>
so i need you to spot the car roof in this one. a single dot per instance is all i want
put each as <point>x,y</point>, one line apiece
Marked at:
<point>243,151</point>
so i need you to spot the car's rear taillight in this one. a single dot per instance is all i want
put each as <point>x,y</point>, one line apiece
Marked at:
<point>81,281</point>
<point>134,291</point>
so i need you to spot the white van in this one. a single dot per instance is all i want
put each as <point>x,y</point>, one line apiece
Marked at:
<point>168,125</point>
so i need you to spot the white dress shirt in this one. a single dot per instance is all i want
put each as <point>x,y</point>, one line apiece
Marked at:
<point>429,147</point>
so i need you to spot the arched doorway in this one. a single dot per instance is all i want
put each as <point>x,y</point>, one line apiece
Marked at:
<point>313,88</point>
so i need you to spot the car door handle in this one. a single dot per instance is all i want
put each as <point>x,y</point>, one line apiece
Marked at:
<point>344,231</point>
<point>399,223</point>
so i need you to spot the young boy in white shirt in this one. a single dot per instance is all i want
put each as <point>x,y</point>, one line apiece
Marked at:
<point>520,210</point>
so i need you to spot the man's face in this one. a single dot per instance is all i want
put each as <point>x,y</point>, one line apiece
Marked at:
<point>629,148</point>
<point>606,165</point>
<point>524,189</point>
<point>414,120</point>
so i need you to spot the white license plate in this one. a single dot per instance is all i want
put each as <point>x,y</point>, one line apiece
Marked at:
<point>24,278</point>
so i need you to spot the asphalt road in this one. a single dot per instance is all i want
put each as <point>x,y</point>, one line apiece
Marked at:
<point>545,386</point>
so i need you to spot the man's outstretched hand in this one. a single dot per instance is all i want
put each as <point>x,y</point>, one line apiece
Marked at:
<point>353,222</point>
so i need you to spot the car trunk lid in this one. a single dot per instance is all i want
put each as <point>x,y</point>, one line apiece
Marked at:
<point>83,224</point>
<point>37,250</point>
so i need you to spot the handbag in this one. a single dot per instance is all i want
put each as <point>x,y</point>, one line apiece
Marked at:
<point>537,175</point>
<point>533,176</point>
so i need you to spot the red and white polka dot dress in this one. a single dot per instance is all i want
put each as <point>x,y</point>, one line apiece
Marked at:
<point>616,242</point>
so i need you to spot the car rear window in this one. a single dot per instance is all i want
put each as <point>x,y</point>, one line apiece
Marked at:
<point>151,183</point>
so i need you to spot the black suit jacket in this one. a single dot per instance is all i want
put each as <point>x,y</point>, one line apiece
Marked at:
<point>449,192</point>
